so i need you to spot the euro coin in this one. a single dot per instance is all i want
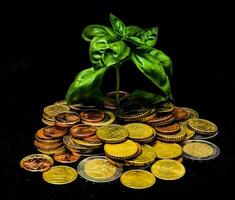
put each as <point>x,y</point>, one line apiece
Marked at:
<point>92,115</point>
<point>137,179</point>
<point>178,137</point>
<point>55,109</point>
<point>60,175</point>
<point>189,132</point>
<point>82,131</point>
<point>66,157</point>
<point>202,126</point>
<point>168,169</point>
<point>168,129</point>
<point>165,107</point>
<point>180,114</point>
<point>112,133</point>
<point>192,113</point>
<point>67,119</point>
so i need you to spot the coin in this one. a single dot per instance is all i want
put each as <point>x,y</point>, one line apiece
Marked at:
<point>47,122</point>
<point>180,114</point>
<point>92,115</point>
<point>87,144</point>
<point>169,129</point>
<point>66,157</point>
<point>139,131</point>
<point>98,169</point>
<point>60,175</point>
<point>178,137</point>
<point>202,126</point>
<point>67,119</point>
<point>137,179</point>
<point>200,150</point>
<point>165,150</point>
<point>145,158</point>
<point>110,103</point>
<point>55,109</point>
<point>112,133</point>
<point>165,107</point>
<point>189,132</point>
<point>168,169</point>
<point>92,139</point>
<point>122,151</point>
<point>36,163</point>
<point>53,132</point>
<point>192,113</point>
<point>82,130</point>
<point>40,135</point>
<point>63,102</point>
<point>47,146</point>
<point>59,150</point>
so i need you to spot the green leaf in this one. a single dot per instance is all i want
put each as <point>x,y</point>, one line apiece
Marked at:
<point>164,60</point>
<point>154,71</point>
<point>145,95</point>
<point>86,84</point>
<point>96,30</point>
<point>106,52</point>
<point>118,25</point>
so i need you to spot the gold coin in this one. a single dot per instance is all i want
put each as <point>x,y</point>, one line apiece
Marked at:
<point>189,133</point>
<point>168,169</point>
<point>167,150</point>
<point>112,133</point>
<point>60,174</point>
<point>178,137</point>
<point>202,126</point>
<point>55,109</point>
<point>146,157</point>
<point>137,179</point>
<point>192,113</point>
<point>139,131</point>
<point>124,150</point>
<point>198,149</point>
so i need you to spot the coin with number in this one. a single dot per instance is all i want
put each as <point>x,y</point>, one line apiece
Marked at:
<point>137,179</point>
<point>60,175</point>
<point>168,169</point>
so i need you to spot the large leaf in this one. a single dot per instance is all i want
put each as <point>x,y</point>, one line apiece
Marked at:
<point>86,84</point>
<point>118,25</point>
<point>145,95</point>
<point>154,71</point>
<point>106,52</point>
<point>96,30</point>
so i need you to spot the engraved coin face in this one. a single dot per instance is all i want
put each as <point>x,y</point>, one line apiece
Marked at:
<point>137,179</point>
<point>190,133</point>
<point>60,175</point>
<point>200,150</point>
<point>55,109</point>
<point>98,169</point>
<point>92,115</point>
<point>139,130</point>
<point>202,126</point>
<point>169,129</point>
<point>168,169</point>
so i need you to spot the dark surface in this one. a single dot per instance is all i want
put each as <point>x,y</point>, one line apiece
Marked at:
<point>38,65</point>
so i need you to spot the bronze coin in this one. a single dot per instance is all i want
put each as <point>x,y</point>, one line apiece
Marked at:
<point>92,139</point>
<point>169,129</point>
<point>180,114</point>
<point>40,134</point>
<point>47,146</point>
<point>52,132</point>
<point>92,115</point>
<point>82,130</point>
<point>159,119</point>
<point>67,119</point>
<point>67,157</point>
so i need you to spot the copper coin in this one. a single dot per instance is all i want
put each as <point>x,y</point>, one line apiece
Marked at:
<point>159,119</point>
<point>82,130</point>
<point>180,114</point>
<point>92,139</point>
<point>40,135</point>
<point>47,146</point>
<point>67,119</point>
<point>92,115</point>
<point>52,132</point>
<point>169,129</point>
<point>67,157</point>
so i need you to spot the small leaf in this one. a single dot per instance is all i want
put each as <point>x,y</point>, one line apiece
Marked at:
<point>117,24</point>
<point>144,95</point>
<point>96,31</point>
<point>86,83</point>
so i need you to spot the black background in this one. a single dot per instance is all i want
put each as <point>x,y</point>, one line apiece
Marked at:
<point>41,51</point>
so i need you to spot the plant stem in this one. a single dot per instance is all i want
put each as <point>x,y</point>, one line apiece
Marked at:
<point>117,85</point>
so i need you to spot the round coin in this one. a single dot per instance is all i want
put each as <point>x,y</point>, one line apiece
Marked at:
<point>137,179</point>
<point>60,175</point>
<point>55,109</point>
<point>92,115</point>
<point>36,163</point>
<point>169,129</point>
<point>82,131</point>
<point>189,132</point>
<point>202,126</point>
<point>112,133</point>
<point>67,119</point>
<point>200,150</point>
<point>66,157</point>
<point>192,113</point>
<point>180,114</point>
<point>168,169</point>
<point>165,107</point>
<point>98,169</point>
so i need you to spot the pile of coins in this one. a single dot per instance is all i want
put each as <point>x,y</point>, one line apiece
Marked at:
<point>137,143</point>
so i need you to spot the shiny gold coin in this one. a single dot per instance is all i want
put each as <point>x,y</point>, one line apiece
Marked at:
<point>60,174</point>
<point>139,131</point>
<point>198,149</point>
<point>124,150</point>
<point>145,158</point>
<point>202,126</point>
<point>47,122</point>
<point>112,133</point>
<point>165,150</point>
<point>137,179</point>
<point>55,109</point>
<point>168,169</point>
<point>189,132</point>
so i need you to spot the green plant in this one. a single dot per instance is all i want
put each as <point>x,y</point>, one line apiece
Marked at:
<point>110,47</point>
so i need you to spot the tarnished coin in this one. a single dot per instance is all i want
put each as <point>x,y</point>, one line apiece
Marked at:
<point>146,157</point>
<point>192,113</point>
<point>180,114</point>
<point>67,157</point>
<point>67,119</point>
<point>165,150</point>
<point>98,169</point>
<point>121,151</point>
<point>36,163</point>
<point>112,133</point>
<point>200,150</point>
<point>168,129</point>
<point>82,131</point>
<point>202,126</point>
<point>60,175</point>
<point>168,169</point>
<point>92,115</point>
<point>55,109</point>
<point>137,179</point>
<point>139,131</point>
